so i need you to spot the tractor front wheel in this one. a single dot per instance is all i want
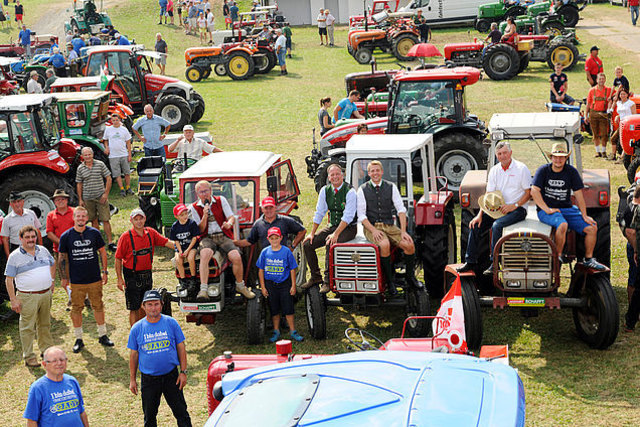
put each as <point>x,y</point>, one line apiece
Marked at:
<point>417,304</point>
<point>438,247</point>
<point>570,14</point>
<point>483,25</point>
<point>524,62</point>
<point>256,319</point>
<point>175,110</point>
<point>316,316</point>
<point>501,62</point>
<point>240,66</point>
<point>193,74</point>
<point>198,110</point>
<point>597,323</point>
<point>633,169</point>
<point>553,29</point>
<point>220,70</point>
<point>456,154</point>
<point>363,55</point>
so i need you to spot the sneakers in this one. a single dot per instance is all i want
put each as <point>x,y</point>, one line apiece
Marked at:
<point>309,283</point>
<point>105,341</point>
<point>594,264</point>
<point>296,336</point>
<point>31,363</point>
<point>324,288</point>
<point>246,292</point>
<point>202,295</point>
<point>275,337</point>
<point>78,346</point>
<point>123,193</point>
<point>624,328</point>
<point>469,266</point>
<point>564,259</point>
<point>129,191</point>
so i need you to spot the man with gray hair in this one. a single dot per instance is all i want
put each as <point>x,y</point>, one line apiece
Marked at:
<point>281,51</point>
<point>508,189</point>
<point>32,85</point>
<point>51,78</point>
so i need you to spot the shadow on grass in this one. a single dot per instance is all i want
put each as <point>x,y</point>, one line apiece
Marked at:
<point>102,369</point>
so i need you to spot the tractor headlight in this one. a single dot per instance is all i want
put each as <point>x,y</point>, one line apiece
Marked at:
<point>370,286</point>
<point>344,285</point>
<point>540,284</point>
<point>513,284</point>
<point>153,201</point>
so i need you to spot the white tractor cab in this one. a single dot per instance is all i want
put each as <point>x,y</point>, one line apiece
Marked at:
<point>355,275</point>
<point>526,268</point>
<point>445,13</point>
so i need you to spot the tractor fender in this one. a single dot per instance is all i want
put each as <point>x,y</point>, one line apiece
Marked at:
<point>175,89</point>
<point>42,159</point>
<point>456,128</point>
<point>121,109</point>
<point>88,141</point>
<point>240,48</point>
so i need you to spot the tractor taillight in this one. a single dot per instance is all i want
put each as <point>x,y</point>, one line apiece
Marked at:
<point>603,198</point>
<point>464,200</point>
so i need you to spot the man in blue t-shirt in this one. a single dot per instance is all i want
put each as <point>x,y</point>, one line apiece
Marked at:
<point>156,345</point>
<point>81,249</point>
<point>233,11</point>
<point>55,399</point>
<point>25,40</point>
<point>347,107</point>
<point>551,191</point>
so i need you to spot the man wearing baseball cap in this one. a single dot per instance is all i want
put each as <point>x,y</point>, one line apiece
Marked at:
<point>15,220</point>
<point>593,66</point>
<point>552,187</point>
<point>156,347</point>
<point>134,262</point>
<point>191,146</point>
<point>270,218</point>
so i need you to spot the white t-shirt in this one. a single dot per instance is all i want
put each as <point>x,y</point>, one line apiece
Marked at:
<point>322,23</point>
<point>512,182</point>
<point>202,22</point>
<point>33,86</point>
<point>117,137</point>
<point>210,20</point>
<point>330,20</point>
<point>624,109</point>
<point>281,42</point>
<point>193,149</point>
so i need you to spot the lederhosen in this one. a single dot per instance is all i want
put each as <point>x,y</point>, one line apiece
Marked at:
<point>140,279</point>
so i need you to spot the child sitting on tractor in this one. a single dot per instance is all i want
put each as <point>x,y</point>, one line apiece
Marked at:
<point>184,231</point>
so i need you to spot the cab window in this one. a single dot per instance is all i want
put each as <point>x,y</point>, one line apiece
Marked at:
<point>239,195</point>
<point>25,134</point>
<point>76,115</point>
<point>287,184</point>
<point>5,144</point>
<point>394,171</point>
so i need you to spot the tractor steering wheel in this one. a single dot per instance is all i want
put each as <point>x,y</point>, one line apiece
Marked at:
<point>178,165</point>
<point>414,120</point>
<point>363,345</point>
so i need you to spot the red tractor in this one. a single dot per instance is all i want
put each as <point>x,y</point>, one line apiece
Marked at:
<point>136,85</point>
<point>8,81</point>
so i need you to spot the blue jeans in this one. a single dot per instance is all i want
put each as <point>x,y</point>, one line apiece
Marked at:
<point>496,226</point>
<point>154,152</point>
<point>634,14</point>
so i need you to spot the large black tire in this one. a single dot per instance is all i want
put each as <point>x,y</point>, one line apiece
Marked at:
<point>239,66</point>
<point>271,60</point>
<point>363,55</point>
<point>152,212</point>
<point>633,168</point>
<point>483,25</point>
<point>438,247</point>
<point>166,302</point>
<point>514,12</point>
<point>316,313</point>
<point>552,28</point>
<point>417,304</point>
<point>401,45</point>
<point>570,14</point>
<point>194,74</point>
<point>256,319</point>
<point>501,62</point>
<point>626,161</point>
<point>485,283</point>
<point>41,80</point>
<point>598,322</point>
<point>198,110</point>
<point>456,154</point>
<point>602,250</point>
<point>471,308</point>
<point>564,52</point>
<point>524,62</point>
<point>37,187</point>
<point>175,110</point>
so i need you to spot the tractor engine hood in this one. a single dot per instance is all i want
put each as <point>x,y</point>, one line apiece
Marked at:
<point>155,83</point>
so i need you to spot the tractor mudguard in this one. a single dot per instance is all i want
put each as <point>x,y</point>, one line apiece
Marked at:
<point>87,141</point>
<point>240,48</point>
<point>44,159</point>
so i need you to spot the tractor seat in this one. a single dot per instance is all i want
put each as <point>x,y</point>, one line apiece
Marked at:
<point>150,166</point>
<point>150,172</point>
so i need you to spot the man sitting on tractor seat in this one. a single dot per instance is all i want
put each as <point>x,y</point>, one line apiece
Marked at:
<point>551,190</point>
<point>377,201</point>
<point>508,189</point>
<point>215,220</point>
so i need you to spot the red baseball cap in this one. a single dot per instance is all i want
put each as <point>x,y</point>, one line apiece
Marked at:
<point>179,208</point>
<point>268,201</point>
<point>274,230</point>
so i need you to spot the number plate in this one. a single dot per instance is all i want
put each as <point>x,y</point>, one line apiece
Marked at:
<point>525,302</point>
<point>204,307</point>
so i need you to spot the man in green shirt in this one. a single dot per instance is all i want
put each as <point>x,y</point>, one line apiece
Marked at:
<point>287,33</point>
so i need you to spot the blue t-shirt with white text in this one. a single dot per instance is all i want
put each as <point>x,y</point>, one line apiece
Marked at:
<point>156,344</point>
<point>184,233</point>
<point>82,250</point>
<point>55,403</point>
<point>277,265</point>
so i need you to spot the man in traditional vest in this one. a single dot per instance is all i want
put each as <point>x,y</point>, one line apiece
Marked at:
<point>378,203</point>
<point>215,220</point>
<point>339,199</point>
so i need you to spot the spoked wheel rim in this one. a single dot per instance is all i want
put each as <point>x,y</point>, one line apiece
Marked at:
<point>239,66</point>
<point>562,55</point>
<point>193,74</point>
<point>453,165</point>
<point>220,70</point>
<point>589,316</point>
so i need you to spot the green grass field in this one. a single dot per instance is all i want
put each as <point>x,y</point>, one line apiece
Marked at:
<point>566,382</point>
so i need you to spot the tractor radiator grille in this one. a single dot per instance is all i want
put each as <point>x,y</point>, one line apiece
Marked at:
<point>526,254</point>
<point>355,263</point>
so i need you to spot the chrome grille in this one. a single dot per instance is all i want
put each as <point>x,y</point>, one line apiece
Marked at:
<point>351,262</point>
<point>526,254</point>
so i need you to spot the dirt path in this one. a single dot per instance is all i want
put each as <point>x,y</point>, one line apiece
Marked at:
<point>615,28</point>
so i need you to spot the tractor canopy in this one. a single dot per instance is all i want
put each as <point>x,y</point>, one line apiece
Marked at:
<point>465,75</point>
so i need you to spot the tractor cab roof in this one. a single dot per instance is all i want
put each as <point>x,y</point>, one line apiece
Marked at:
<point>114,48</point>
<point>386,145</point>
<point>465,75</point>
<point>232,164</point>
<point>4,61</point>
<point>89,83</point>
<point>538,125</point>
<point>24,102</point>
<point>81,96</point>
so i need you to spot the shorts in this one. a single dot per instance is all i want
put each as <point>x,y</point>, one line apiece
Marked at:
<point>202,30</point>
<point>211,28</point>
<point>288,44</point>
<point>19,17</point>
<point>322,31</point>
<point>281,57</point>
<point>81,291</point>
<point>217,241</point>
<point>119,166</point>
<point>193,22</point>
<point>162,60</point>
<point>137,283</point>
<point>567,99</point>
<point>98,210</point>
<point>280,299</point>
<point>170,13</point>
<point>572,216</point>
<point>393,233</point>
<point>599,121</point>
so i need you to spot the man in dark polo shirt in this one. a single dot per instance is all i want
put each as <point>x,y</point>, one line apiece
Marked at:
<point>134,261</point>
<point>378,202</point>
<point>81,251</point>
<point>339,200</point>
<point>59,220</point>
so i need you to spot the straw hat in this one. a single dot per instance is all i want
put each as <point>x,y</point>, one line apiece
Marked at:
<point>491,202</point>
<point>559,149</point>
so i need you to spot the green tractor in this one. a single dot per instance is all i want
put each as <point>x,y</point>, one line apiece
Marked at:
<point>86,18</point>
<point>496,12</point>
<point>551,25</point>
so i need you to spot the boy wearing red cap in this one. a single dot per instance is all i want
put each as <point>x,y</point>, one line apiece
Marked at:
<point>185,232</point>
<point>277,277</point>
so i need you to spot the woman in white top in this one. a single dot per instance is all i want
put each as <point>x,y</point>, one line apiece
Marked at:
<point>625,107</point>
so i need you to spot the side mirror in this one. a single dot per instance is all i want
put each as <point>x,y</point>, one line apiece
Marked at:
<point>578,139</point>
<point>272,184</point>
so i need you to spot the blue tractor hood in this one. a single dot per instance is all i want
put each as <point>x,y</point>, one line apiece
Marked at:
<point>375,388</point>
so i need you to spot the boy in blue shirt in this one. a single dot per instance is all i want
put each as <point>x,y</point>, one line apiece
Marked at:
<point>185,231</point>
<point>277,276</point>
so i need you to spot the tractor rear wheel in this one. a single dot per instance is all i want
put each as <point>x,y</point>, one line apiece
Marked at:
<point>485,283</point>
<point>602,250</point>
<point>316,313</point>
<point>240,66</point>
<point>524,62</point>
<point>401,46</point>
<point>633,169</point>
<point>456,154</point>
<point>570,14</point>
<point>437,249</point>
<point>514,12</point>
<point>552,28</point>
<point>206,72</point>
<point>483,25</point>
<point>417,304</point>
<point>501,62</point>
<point>193,74</point>
<point>471,308</point>
<point>41,81</point>
<point>175,110</point>
<point>270,59</point>
<point>220,70</point>
<point>198,110</point>
<point>363,55</point>
<point>563,52</point>
<point>626,161</point>
<point>256,319</point>
<point>598,322</point>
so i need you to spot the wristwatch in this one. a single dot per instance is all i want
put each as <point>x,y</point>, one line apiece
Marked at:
<point>183,371</point>
<point>517,205</point>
